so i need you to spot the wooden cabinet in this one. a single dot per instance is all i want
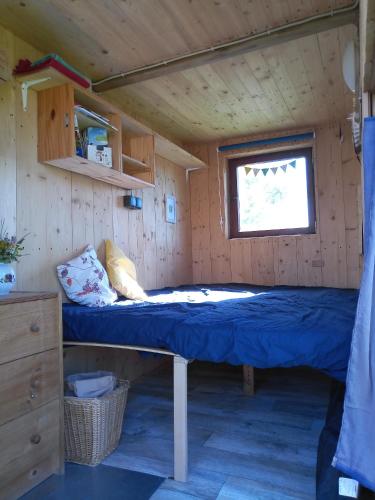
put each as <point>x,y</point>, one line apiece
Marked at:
<point>134,145</point>
<point>56,140</point>
<point>31,397</point>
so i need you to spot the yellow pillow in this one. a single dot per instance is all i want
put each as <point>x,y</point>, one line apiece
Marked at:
<point>122,273</point>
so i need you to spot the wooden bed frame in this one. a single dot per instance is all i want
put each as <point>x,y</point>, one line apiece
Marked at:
<point>179,399</point>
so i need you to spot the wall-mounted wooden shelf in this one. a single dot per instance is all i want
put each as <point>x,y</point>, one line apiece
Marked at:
<point>134,146</point>
<point>176,154</point>
<point>49,77</point>
<point>96,171</point>
<point>133,128</point>
<point>136,164</point>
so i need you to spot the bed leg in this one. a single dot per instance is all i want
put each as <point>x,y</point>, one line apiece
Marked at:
<point>248,380</point>
<point>180,418</point>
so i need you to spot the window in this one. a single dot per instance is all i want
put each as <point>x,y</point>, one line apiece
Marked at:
<point>272,194</point>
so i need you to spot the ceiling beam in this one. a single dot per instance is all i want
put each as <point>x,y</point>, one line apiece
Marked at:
<point>237,47</point>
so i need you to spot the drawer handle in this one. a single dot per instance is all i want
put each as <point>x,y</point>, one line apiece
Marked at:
<point>36,438</point>
<point>34,328</point>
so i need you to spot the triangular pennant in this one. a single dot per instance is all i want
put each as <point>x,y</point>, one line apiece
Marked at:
<point>247,170</point>
<point>284,168</point>
<point>274,170</point>
<point>255,171</point>
<point>293,163</point>
<point>265,171</point>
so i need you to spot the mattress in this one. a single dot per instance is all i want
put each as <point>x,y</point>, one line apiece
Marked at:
<point>238,324</point>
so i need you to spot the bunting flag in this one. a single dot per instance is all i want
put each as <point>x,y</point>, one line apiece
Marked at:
<point>264,171</point>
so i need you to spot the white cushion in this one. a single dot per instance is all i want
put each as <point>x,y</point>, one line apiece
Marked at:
<point>85,280</point>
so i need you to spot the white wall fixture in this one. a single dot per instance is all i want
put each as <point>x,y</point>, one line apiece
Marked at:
<point>170,209</point>
<point>349,65</point>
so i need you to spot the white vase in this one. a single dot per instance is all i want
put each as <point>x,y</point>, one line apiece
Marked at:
<point>7,278</point>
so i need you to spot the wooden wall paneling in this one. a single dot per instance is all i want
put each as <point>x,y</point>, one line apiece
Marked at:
<point>31,196</point>
<point>219,244</point>
<point>262,260</point>
<point>367,45</point>
<point>331,207</point>
<point>183,240</point>
<point>217,80</point>
<point>103,217</point>
<point>266,79</point>
<point>241,261</point>
<point>190,105</point>
<point>351,169</point>
<point>237,264</point>
<point>8,166</point>
<point>309,260</point>
<point>139,260</point>
<point>135,239</point>
<point>33,199</point>
<point>325,258</point>
<point>149,238</point>
<point>200,218</point>
<point>82,213</point>
<point>58,206</point>
<point>188,239</point>
<point>154,110</point>
<point>170,189</point>
<point>310,50</point>
<point>331,58</point>
<point>49,219</point>
<point>286,64</point>
<point>171,28</point>
<point>120,220</point>
<point>285,258</point>
<point>247,260</point>
<point>7,55</point>
<point>161,228</point>
<point>200,226</point>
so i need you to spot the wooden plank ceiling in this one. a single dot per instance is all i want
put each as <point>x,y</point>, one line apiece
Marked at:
<point>297,83</point>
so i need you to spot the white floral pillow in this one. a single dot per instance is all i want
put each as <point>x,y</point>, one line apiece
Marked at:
<point>85,280</point>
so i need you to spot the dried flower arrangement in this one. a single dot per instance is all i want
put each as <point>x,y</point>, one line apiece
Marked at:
<point>10,248</point>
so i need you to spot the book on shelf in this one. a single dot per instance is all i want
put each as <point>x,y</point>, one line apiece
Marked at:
<point>87,118</point>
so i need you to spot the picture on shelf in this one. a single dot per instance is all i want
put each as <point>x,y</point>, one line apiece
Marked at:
<point>170,209</point>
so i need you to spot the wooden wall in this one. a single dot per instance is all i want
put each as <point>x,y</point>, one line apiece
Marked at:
<point>63,212</point>
<point>331,257</point>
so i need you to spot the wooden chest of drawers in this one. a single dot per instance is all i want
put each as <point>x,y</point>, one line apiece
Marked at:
<point>31,404</point>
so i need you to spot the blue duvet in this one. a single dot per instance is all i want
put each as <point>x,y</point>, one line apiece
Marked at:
<point>238,324</point>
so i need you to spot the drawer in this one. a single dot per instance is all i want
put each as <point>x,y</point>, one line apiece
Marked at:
<point>30,477</point>
<point>27,442</point>
<point>27,383</point>
<point>27,328</point>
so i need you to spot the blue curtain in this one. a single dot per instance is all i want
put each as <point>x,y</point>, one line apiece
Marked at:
<point>355,454</point>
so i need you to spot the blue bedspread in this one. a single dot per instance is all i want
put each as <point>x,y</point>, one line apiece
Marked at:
<point>238,324</point>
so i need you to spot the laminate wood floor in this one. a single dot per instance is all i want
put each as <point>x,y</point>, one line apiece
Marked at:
<point>240,447</point>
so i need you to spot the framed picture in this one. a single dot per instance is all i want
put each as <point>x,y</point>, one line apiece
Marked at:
<point>170,209</point>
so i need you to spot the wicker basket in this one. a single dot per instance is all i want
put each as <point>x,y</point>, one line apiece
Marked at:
<point>92,426</point>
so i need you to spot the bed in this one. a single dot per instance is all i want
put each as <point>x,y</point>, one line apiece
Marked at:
<point>238,324</point>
